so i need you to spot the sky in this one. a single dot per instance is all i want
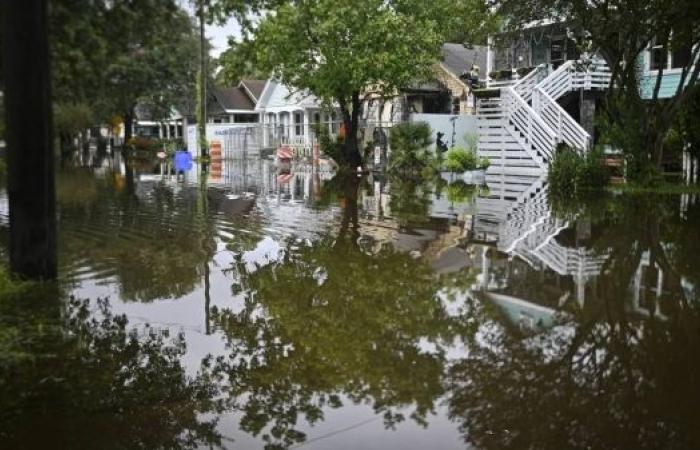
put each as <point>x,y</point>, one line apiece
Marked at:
<point>218,35</point>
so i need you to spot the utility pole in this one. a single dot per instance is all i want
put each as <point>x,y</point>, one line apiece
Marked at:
<point>202,119</point>
<point>31,181</point>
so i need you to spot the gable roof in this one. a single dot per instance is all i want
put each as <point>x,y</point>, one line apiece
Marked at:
<point>233,98</point>
<point>254,88</point>
<point>459,59</point>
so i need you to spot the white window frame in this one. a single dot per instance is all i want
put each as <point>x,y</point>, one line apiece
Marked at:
<point>669,62</point>
<point>298,124</point>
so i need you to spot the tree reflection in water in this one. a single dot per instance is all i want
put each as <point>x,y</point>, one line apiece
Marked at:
<point>76,376</point>
<point>328,321</point>
<point>615,374</point>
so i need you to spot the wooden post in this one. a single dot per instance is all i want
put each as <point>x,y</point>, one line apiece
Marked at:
<point>31,189</point>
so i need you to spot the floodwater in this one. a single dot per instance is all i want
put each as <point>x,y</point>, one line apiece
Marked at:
<point>251,308</point>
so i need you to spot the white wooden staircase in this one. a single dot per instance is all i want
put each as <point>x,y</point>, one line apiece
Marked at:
<point>520,124</point>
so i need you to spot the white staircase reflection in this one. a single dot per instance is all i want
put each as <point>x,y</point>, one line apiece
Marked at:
<point>522,225</point>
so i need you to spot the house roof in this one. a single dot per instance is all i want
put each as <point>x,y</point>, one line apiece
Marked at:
<point>233,98</point>
<point>459,59</point>
<point>254,87</point>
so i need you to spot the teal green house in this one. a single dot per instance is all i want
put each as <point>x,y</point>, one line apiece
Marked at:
<point>543,91</point>
<point>672,63</point>
<point>550,43</point>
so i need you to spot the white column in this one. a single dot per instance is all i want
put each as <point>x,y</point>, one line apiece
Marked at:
<point>307,126</point>
<point>160,130</point>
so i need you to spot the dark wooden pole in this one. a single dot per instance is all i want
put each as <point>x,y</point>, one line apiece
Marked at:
<point>30,158</point>
<point>202,119</point>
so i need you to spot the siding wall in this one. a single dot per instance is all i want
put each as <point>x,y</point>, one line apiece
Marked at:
<point>669,84</point>
<point>441,122</point>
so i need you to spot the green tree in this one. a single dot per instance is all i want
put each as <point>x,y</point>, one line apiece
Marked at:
<point>337,50</point>
<point>237,62</point>
<point>153,59</point>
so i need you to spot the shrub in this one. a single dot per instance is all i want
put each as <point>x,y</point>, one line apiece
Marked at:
<point>151,145</point>
<point>71,118</point>
<point>141,143</point>
<point>460,192</point>
<point>483,163</point>
<point>410,144</point>
<point>460,160</point>
<point>571,173</point>
<point>329,146</point>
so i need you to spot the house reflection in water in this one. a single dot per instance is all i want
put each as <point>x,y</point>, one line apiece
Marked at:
<point>534,265</point>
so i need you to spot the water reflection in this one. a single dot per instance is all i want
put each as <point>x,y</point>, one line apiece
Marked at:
<point>345,312</point>
<point>75,375</point>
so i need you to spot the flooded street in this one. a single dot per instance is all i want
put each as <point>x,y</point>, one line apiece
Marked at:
<point>304,310</point>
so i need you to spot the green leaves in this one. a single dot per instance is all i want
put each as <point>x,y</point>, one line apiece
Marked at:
<point>334,48</point>
<point>409,147</point>
<point>115,54</point>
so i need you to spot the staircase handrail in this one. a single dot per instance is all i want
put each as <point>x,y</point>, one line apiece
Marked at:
<point>566,129</point>
<point>596,76</point>
<point>524,85</point>
<point>558,82</point>
<point>537,133</point>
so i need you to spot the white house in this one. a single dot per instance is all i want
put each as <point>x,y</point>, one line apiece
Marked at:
<point>288,117</point>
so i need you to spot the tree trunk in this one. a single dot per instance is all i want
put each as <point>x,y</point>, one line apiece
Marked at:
<point>128,125</point>
<point>202,107</point>
<point>349,221</point>
<point>351,148</point>
<point>31,184</point>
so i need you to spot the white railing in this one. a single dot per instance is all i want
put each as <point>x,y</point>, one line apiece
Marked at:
<point>593,75</point>
<point>567,130</point>
<point>495,84</point>
<point>574,75</point>
<point>526,84</point>
<point>539,139</point>
<point>558,82</point>
<point>532,115</point>
<point>570,76</point>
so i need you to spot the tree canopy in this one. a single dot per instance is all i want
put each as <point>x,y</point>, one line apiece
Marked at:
<point>338,50</point>
<point>115,54</point>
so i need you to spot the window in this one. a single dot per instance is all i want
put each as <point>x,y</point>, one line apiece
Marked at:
<point>246,118</point>
<point>299,123</point>
<point>334,123</point>
<point>680,57</point>
<point>657,56</point>
<point>676,56</point>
